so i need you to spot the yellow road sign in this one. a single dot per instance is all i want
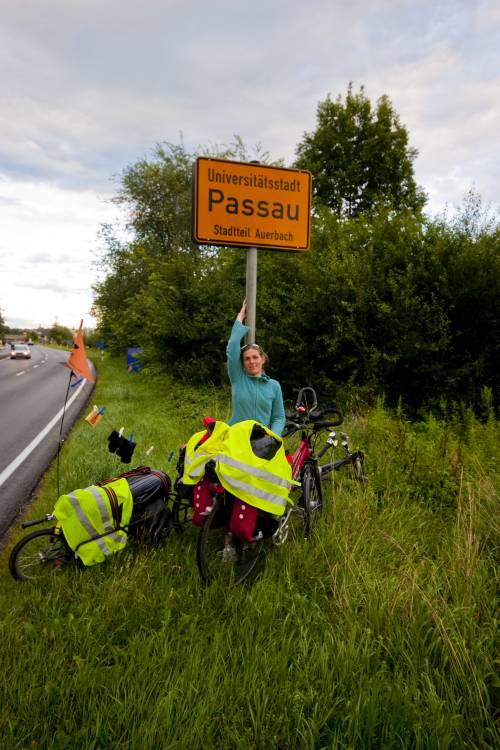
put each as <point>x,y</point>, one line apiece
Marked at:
<point>254,205</point>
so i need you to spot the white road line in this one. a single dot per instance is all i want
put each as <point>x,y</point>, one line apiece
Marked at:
<point>35,366</point>
<point>23,372</point>
<point>11,468</point>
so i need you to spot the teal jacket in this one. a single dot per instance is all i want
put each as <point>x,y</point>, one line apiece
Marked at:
<point>257,398</point>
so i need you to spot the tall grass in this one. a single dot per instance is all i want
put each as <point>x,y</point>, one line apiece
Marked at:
<point>378,632</point>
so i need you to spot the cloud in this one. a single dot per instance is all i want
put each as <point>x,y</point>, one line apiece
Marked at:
<point>91,86</point>
<point>47,251</point>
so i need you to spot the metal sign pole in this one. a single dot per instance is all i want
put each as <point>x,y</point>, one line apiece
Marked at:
<point>251,287</point>
<point>251,293</point>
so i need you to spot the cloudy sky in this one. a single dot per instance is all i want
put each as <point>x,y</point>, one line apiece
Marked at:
<point>87,87</point>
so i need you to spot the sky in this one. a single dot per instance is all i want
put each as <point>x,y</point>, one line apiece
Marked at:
<point>88,87</point>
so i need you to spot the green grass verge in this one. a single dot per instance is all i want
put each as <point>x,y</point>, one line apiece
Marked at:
<point>378,632</point>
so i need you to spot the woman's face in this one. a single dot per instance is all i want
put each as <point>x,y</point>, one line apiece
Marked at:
<point>253,362</point>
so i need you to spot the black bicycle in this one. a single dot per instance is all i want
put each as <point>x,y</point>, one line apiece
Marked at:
<point>41,554</point>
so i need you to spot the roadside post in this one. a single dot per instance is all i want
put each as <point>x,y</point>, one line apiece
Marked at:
<point>252,206</point>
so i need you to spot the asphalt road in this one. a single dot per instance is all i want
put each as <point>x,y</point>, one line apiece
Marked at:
<point>32,394</point>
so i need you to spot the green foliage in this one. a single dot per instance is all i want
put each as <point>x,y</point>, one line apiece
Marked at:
<point>59,334</point>
<point>360,158</point>
<point>468,251</point>
<point>156,196</point>
<point>387,302</point>
<point>379,631</point>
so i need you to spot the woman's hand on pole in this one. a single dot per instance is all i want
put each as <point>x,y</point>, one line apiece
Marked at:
<point>243,312</point>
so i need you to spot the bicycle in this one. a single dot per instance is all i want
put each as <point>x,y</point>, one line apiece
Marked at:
<point>225,557</point>
<point>308,421</point>
<point>41,554</point>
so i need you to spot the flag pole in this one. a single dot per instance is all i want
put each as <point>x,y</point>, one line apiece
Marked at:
<point>61,429</point>
<point>78,365</point>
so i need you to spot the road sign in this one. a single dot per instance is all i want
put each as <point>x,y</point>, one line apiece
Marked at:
<point>251,205</point>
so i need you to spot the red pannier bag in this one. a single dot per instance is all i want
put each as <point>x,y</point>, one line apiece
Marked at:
<point>243,520</point>
<point>202,492</point>
<point>202,501</point>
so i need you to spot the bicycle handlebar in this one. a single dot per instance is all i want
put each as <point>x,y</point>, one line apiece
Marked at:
<point>314,416</point>
<point>302,398</point>
<point>299,421</point>
<point>337,413</point>
<point>48,517</point>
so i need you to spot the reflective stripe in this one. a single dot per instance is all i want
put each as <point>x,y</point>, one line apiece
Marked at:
<point>106,517</point>
<point>117,536</point>
<point>87,525</point>
<point>255,491</point>
<point>249,469</point>
<point>196,455</point>
<point>102,508</point>
<point>198,471</point>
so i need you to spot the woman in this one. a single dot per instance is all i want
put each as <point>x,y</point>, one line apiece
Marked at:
<point>254,395</point>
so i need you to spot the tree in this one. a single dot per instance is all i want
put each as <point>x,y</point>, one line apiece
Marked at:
<point>468,249</point>
<point>156,196</point>
<point>60,335</point>
<point>160,290</point>
<point>360,157</point>
<point>387,301</point>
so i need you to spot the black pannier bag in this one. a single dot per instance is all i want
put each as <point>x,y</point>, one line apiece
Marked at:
<point>263,445</point>
<point>151,520</point>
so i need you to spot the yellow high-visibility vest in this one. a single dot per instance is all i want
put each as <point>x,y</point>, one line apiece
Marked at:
<point>264,484</point>
<point>91,519</point>
<point>197,456</point>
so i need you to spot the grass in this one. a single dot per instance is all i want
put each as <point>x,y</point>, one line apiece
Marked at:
<point>377,632</point>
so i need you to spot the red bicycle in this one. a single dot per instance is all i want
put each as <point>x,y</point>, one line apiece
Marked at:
<point>310,423</point>
<point>229,559</point>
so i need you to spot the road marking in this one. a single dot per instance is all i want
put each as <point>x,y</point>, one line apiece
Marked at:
<point>11,468</point>
<point>23,372</point>
<point>35,366</point>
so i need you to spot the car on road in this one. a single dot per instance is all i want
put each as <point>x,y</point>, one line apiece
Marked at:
<point>20,351</point>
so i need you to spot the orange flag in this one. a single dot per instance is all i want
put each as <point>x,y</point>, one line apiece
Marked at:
<point>77,360</point>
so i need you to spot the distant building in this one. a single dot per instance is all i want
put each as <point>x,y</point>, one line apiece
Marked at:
<point>18,338</point>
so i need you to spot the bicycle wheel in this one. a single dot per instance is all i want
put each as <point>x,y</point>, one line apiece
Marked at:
<point>312,497</point>
<point>39,556</point>
<point>182,507</point>
<point>221,556</point>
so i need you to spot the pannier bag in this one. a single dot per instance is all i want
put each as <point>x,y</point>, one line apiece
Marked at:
<point>96,521</point>
<point>151,520</point>
<point>263,445</point>
<point>243,520</point>
<point>202,501</point>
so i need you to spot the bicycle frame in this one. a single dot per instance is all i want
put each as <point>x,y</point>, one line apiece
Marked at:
<point>300,455</point>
